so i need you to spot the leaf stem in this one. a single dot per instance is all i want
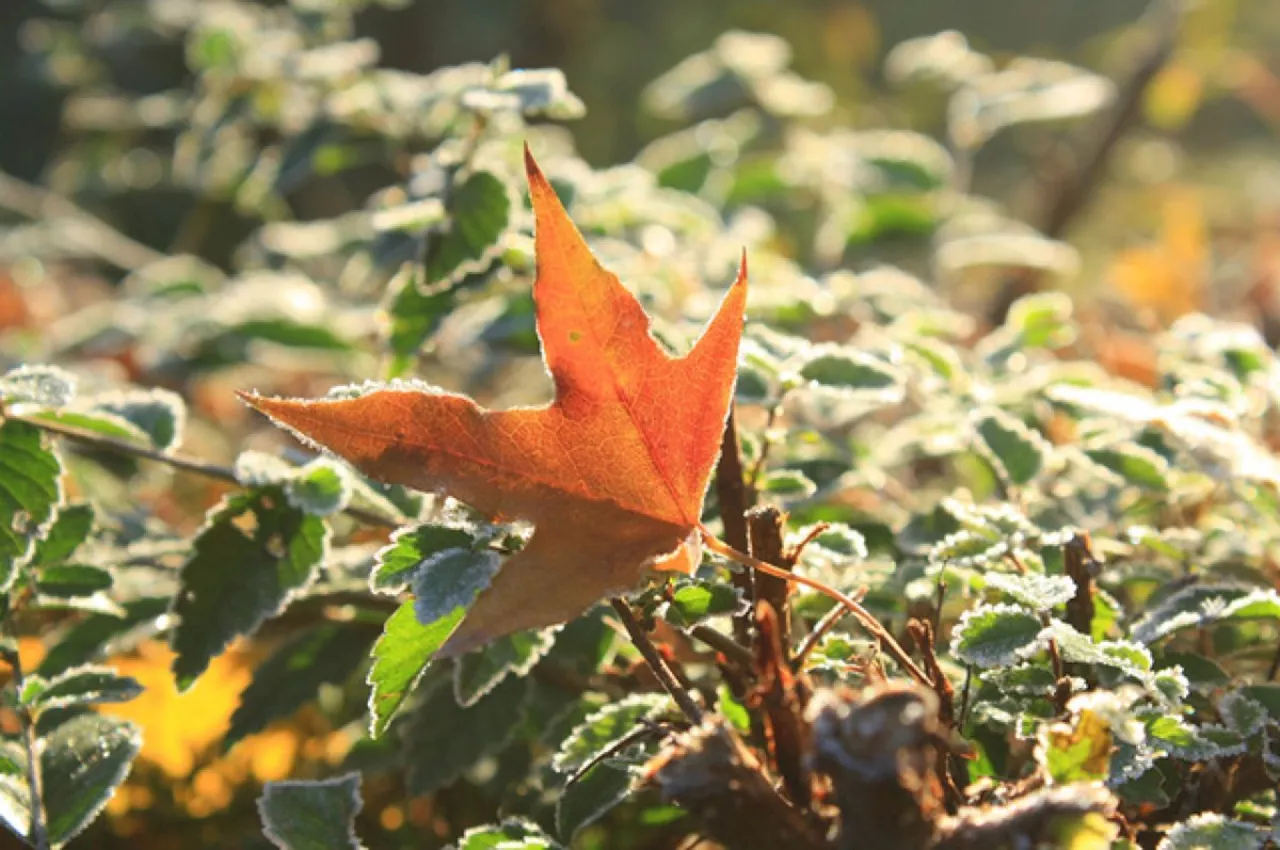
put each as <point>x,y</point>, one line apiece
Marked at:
<point>869,623</point>
<point>186,463</point>
<point>655,661</point>
<point>39,832</point>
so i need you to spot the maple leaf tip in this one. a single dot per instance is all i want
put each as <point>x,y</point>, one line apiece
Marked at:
<point>531,169</point>
<point>742,269</point>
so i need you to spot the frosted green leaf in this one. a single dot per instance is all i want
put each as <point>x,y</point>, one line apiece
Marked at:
<point>298,815</point>
<point>511,834</point>
<point>848,369</point>
<point>1202,604</point>
<point>605,727</point>
<point>996,635</point>
<point>788,485</point>
<point>1244,715</point>
<point>477,673</point>
<point>1038,592</point>
<point>836,545</point>
<point>1134,463</point>
<point>320,488</point>
<point>30,492</point>
<point>159,413</point>
<point>1017,450</point>
<point>1212,831</point>
<point>46,386</point>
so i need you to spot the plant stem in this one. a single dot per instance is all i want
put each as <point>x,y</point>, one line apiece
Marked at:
<point>735,498</point>
<point>725,645</point>
<point>177,461</point>
<point>39,831</point>
<point>869,623</point>
<point>655,661</point>
<point>82,229</point>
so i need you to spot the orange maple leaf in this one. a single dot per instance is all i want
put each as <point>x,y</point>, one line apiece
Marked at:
<point>612,473</point>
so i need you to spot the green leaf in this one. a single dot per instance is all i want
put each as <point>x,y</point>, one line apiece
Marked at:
<point>449,580</point>
<point>69,580</point>
<point>590,797</point>
<point>29,493</point>
<point>694,601</point>
<point>253,555</point>
<point>312,815</point>
<point>443,739</point>
<point>46,386</point>
<point>1039,592</point>
<point>106,424</point>
<point>605,727</point>
<point>69,530</point>
<point>158,413</point>
<point>1212,831</point>
<point>292,675</point>
<point>1134,463</point>
<point>81,763</point>
<point>15,802</point>
<point>400,657</point>
<point>1266,695</point>
<point>477,673</point>
<point>1199,605</point>
<point>511,834</point>
<point>479,215</point>
<point>788,484</point>
<point>410,547</point>
<point>320,488</point>
<point>1244,715</point>
<point>848,369</point>
<point>95,636</point>
<point>85,685</point>
<point>1018,451</point>
<point>1042,320</point>
<point>732,710</point>
<point>996,635</point>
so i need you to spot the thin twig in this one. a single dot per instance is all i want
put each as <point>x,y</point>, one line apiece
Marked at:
<point>177,461</point>
<point>1068,196</point>
<point>39,831</point>
<point>655,661</point>
<point>820,629</point>
<point>723,644</point>
<point>869,623</point>
<point>88,232</point>
<point>757,468</point>
<point>963,720</point>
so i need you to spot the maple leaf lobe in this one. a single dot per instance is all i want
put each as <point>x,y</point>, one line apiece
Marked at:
<point>611,473</point>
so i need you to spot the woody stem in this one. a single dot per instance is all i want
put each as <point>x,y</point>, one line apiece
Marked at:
<point>655,661</point>
<point>869,623</point>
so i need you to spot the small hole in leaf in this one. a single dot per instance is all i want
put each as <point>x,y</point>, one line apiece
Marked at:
<point>246,522</point>
<point>275,546</point>
<point>20,522</point>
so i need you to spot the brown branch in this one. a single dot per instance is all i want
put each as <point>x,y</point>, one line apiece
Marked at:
<point>712,774</point>
<point>783,696</point>
<point>186,463</point>
<point>655,661</point>
<point>880,750</point>
<point>1080,566</point>
<point>735,499</point>
<point>764,529</point>
<point>864,617</point>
